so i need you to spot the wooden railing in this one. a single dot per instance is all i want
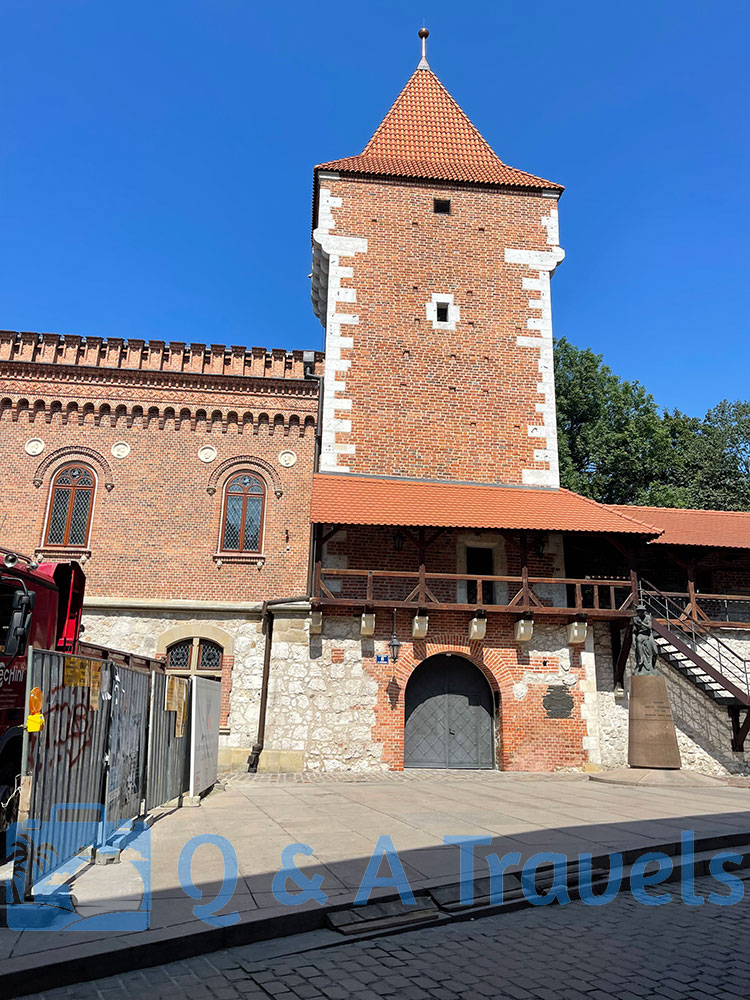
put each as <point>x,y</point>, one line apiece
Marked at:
<point>611,598</point>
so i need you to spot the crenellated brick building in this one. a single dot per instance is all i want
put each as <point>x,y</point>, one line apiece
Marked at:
<point>436,598</point>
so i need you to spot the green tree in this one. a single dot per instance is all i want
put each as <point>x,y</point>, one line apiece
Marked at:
<point>613,442</point>
<point>718,459</point>
<point>617,447</point>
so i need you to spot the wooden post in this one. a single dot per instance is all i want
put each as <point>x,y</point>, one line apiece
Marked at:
<point>634,586</point>
<point>318,560</point>
<point>524,545</point>
<point>691,589</point>
<point>421,546</point>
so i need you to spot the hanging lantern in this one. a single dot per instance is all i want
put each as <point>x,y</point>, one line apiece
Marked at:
<point>394,646</point>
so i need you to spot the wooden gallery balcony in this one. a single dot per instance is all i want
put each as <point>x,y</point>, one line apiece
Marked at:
<point>560,596</point>
<point>430,522</point>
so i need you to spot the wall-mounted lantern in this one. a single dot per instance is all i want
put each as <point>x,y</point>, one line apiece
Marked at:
<point>478,625</point>
<point>419,624</point>
<point>394,645</point>
<point>316,622</point>
<point>577,632</point>
<point>524,629</point>
<point>367,623</point>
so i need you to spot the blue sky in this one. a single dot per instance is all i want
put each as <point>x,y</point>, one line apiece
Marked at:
<point>156,163</point>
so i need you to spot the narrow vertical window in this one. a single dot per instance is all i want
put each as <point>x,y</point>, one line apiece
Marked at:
<point>71,506</point>
<point>242,524</point>
<point>442,312</point>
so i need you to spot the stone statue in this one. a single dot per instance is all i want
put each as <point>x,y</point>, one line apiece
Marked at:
<point>646,650</point>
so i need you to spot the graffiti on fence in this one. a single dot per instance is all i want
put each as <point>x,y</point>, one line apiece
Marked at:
<point>68,731</point>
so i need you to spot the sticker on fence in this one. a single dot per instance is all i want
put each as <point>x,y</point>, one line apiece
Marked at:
<point>95,691</point>
<point>77,672</point>
<point>175,700</point>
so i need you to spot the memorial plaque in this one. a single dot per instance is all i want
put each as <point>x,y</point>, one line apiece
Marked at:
<point>652,741</point>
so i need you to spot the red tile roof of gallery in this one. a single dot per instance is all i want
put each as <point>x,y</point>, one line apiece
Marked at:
<point>427,135</point>
<point>347,499</point>
<point>724,529</point>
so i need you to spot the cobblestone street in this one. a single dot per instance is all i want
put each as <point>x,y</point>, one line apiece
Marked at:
<point>623,951</point>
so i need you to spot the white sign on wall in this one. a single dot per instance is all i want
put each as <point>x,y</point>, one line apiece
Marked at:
<point>204,736</point>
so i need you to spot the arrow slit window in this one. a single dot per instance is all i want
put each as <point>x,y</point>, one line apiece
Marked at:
<point>242,517</point>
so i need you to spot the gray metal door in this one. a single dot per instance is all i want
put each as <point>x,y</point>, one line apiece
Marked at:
<point>448,715</point>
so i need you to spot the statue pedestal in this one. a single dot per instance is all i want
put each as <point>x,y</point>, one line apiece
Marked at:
<point>652,741</point>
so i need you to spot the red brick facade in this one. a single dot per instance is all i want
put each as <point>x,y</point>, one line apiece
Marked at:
<point>527,738</point>
<point>157,510</point>
<point>438,403</point>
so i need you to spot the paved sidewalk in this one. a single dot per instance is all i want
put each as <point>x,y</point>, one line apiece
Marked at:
<point>341,820</point>
<point>622,951</point>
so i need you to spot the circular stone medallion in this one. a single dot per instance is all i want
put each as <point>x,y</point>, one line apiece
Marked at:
<point>287,459</point>
<point>34,446</point>
<point>120,449</point>
<point>207,453</point>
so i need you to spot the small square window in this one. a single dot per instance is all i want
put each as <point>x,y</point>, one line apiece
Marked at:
<point>441,206</point>
<point>442,312</point>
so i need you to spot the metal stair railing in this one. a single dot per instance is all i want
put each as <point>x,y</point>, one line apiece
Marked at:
<point>707,647</point>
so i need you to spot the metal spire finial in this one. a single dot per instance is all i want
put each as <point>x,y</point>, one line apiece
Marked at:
<point>424,35</point>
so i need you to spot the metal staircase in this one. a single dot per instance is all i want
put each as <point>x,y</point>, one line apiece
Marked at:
<point>702,658</point>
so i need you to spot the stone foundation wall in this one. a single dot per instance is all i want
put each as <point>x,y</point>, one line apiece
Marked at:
<point>139,632</point>
<point>321,701</point>
<point>703,728</point>
<point>737,639</point>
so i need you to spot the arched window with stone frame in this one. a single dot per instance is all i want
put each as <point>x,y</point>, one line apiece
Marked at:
<point>195,656</point>
<point>243,512</point>
<point>71,506</point>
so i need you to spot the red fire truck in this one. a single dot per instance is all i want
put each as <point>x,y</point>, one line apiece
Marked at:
<point>40,605</point>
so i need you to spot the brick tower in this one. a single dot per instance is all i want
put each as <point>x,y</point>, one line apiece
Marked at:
<point>431,267</point>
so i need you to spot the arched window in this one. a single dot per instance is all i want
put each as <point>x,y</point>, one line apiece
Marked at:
<point>178,656</point>
<point>195,656</point>
<point>242,522</point>
<point>71,506</point>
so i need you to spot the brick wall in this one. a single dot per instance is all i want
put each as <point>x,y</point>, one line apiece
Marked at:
<point>472,399</point>
<point>522,677</point>
<point>156,521</point>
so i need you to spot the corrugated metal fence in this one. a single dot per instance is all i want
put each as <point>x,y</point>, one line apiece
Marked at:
<point>66,760</point>
<point>168,743</point>
<point>115,742</point>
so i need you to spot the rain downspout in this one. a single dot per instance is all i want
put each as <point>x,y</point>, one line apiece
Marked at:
<point>267,613</point>
<point>267,617</point>
<point>309,363</point>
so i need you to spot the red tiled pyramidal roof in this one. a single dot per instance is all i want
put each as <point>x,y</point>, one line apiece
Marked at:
<point>427,135</point>
<point>346,499</point>
<point>728,529</point>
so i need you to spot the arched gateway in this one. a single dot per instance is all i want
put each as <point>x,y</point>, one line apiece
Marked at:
<point>448,718</point>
